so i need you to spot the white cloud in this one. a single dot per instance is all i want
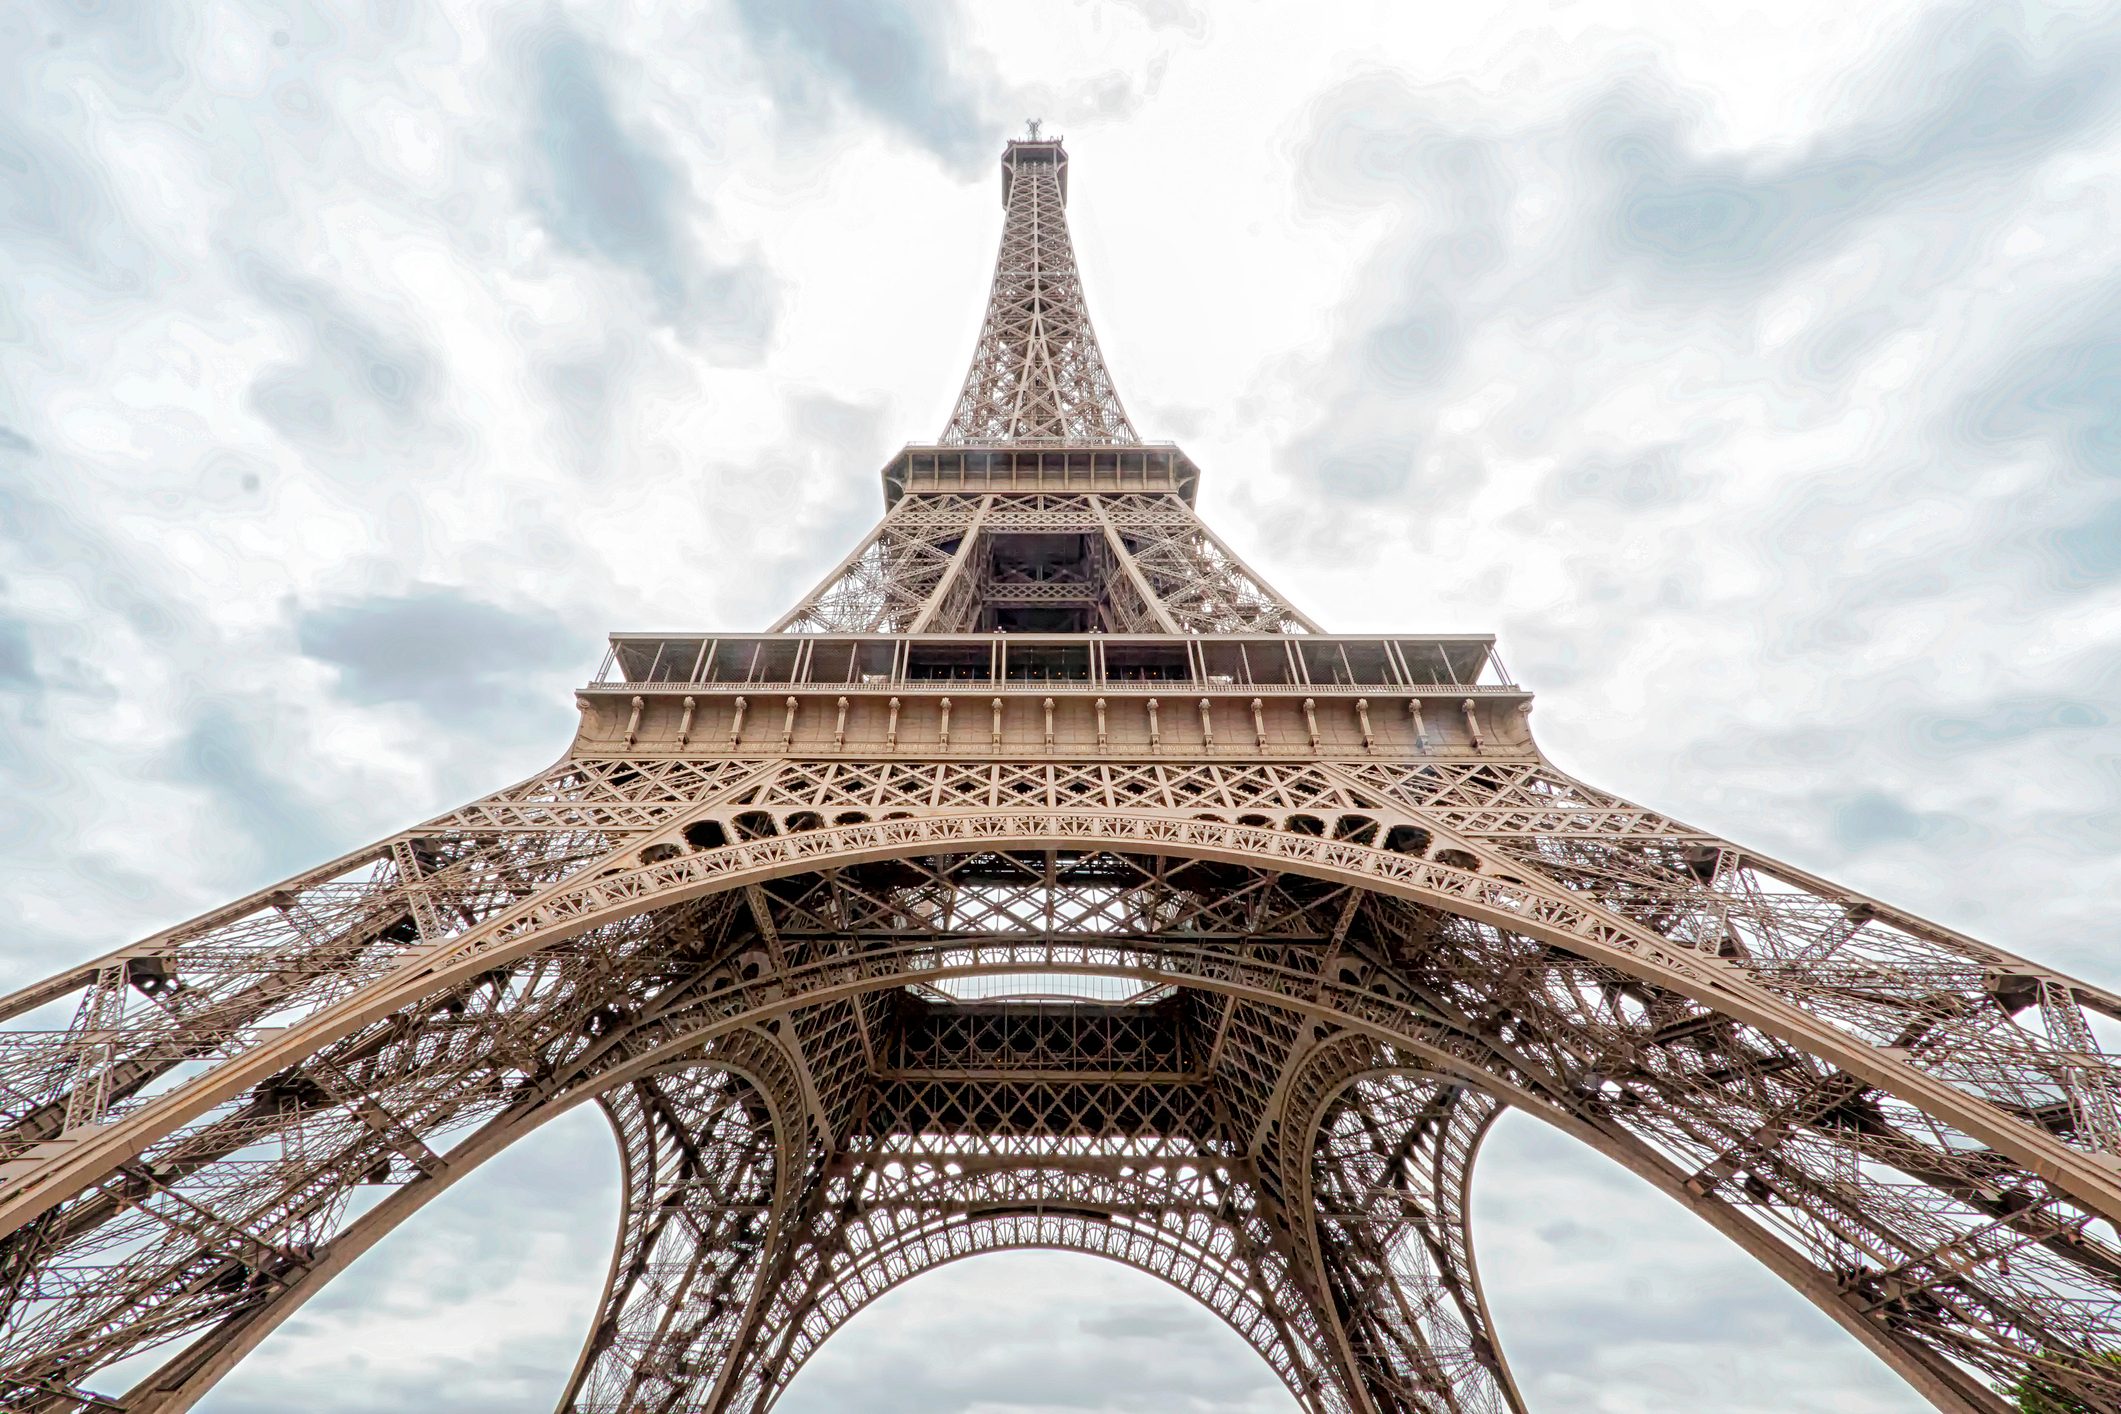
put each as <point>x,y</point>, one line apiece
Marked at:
<point>1752,373</point>
<point>1036,1333</point>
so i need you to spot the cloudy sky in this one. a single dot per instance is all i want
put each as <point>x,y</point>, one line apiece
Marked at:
<point>1754,371</point>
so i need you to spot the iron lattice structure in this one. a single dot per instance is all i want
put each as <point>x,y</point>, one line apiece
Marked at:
<point>1037,377</point>
<point>1045,879</point>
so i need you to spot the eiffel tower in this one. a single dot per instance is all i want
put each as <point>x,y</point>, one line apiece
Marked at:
<point>1045,879</point>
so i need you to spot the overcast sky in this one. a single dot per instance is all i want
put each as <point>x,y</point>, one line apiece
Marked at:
<point>1754,372</point>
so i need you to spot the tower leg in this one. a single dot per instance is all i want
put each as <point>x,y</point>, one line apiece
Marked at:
<point>1390,1178</point>
<point>705,1168</point>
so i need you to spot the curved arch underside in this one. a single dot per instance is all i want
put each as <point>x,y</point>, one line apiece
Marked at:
<point>1181,1201</point>
<point>1346,968</point>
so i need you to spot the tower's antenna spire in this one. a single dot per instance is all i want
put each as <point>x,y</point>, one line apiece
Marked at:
<point>1037,376</point>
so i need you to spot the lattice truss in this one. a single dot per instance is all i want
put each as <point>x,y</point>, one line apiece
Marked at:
<point>940,563</point>
<point>1037,376</point>
<point>1300,992</point>
<point>1238,1023</point>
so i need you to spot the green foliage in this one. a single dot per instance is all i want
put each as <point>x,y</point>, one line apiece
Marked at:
<point>2037,1394</point>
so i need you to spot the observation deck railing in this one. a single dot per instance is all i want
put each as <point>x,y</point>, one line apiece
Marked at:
<point>1308,664</point>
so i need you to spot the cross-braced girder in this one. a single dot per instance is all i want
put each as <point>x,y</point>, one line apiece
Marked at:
<point>1381,1166</point>
<point>1195,939</point>
<point>1037,374</point>
<point>1946,1252</point>
<point>1033,561</point>
<point>703,1163</point>
<point>1174,1193</point>
<point>893,1214</point>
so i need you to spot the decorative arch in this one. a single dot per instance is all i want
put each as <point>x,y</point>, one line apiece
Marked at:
<point>1384,1176</point>
<point>707,1154</point>
<point>1866,1093</point>
<point>1187,1248</point>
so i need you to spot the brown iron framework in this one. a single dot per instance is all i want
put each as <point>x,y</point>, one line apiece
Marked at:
<point>1045,879</point>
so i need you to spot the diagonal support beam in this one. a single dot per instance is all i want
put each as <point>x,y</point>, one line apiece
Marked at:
<point>1131,570</point>
<point>761,908</point>
<point>924,622</point>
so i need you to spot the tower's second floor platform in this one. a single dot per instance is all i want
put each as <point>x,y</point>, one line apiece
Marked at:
<point>1053,694</point>
<point>1346,664</point>
<point>1023,468</point>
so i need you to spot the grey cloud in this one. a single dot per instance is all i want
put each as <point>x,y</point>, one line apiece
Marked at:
<point>1641,479</point>
<point>611,192</point>
<point>492,1381</point>
<point>1418,345</point>
<point>60,213</point>
<point>1837,347</point>
<point>295,408</point>
<point>2085,551</point>
<point>780,580</point>
<point>2005,721</point>
<point>138,46</point>
<point>2058,388</point>
<point>446,653</point>
<point>2039,391</point>
<point>844,428</point>
<point>1868,819</point>
<point>1417,318</point>
<point>120,574</point>
<point>1964,108</point>
<point>17,669</point>
<point>836,436</point>
<point>2049,389</point>
<point>1366,470</point>
<point>989,1313</point>
<point>607,189</point>
<point>584,387</point>
<point>2063,383</point>
<point>890,60</point>
<point>1107,98</point>
<point>1964,102</point>
<point>543,1214</point>
<point>1172,14</point>
<point>1820,744</point>
<point>219,754</point>
<point>60,216</point>
<point>1110,98</point>
<point>1140,1322</point>
<point>355,366</point>
<point>1605,1312</point>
